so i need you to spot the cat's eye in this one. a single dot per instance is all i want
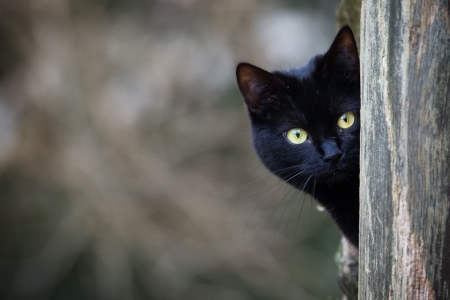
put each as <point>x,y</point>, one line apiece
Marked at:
<point>346,120</point>
<point>296,135</point>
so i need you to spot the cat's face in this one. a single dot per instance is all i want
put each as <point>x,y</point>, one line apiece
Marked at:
<point>306,121</point>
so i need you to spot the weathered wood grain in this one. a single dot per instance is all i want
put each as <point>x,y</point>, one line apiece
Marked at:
<point>405,153</point>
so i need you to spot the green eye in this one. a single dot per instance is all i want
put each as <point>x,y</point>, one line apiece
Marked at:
<point>296,136</point>
<point>346,120</point>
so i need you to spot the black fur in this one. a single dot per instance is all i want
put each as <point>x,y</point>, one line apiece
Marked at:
<point>311,97</point>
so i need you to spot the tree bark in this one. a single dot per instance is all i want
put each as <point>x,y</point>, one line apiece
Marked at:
<point>405,152</point>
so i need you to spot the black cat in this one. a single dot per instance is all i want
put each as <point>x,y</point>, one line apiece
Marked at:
<point>305,126</point>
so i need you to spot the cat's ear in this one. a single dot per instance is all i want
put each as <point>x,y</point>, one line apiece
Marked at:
<point>342,58</point>
<point>256,85</point>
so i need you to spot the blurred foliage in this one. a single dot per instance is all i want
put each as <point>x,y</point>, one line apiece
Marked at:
<point>349,13</point>
<point>126,168</point>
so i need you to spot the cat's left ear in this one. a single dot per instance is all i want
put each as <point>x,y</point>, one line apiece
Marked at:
<point>342,58</point>
<point>258,87</point>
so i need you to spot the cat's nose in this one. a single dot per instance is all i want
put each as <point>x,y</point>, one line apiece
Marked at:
<point>331,152</point>
<point>333,158</point>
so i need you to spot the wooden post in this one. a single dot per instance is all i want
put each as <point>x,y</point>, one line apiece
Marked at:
<point>405,152</point>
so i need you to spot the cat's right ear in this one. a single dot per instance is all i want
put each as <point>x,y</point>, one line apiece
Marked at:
<point>342,59</point>
<point>256,85</point>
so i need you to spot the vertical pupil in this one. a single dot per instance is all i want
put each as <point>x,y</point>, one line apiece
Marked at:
<point>344,117</point>
<point>297,133</point>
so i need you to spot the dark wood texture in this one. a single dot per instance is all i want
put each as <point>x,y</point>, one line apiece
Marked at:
<point>405,153</point>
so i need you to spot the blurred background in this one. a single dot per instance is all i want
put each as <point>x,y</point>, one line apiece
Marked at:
<point>126,167</point>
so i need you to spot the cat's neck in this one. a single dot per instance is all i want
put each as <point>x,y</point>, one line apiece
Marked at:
<point>341,201</point>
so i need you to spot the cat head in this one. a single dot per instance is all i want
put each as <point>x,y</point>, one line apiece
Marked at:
<point>306,121</point>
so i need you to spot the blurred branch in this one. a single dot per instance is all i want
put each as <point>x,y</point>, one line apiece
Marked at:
<point>347,260</point>
<point>14,33</point>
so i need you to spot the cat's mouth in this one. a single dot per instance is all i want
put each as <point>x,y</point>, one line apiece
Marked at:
<point>338,175</point>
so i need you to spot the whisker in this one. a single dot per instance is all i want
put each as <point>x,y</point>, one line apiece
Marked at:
<point>310,215</point>
<point>295,232</point>
<point>276,208</point>
<point>278,186</point>
<point>274,189</point>
<point>278,172</point>
<point>281,218</point>
<point>301,192</point>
